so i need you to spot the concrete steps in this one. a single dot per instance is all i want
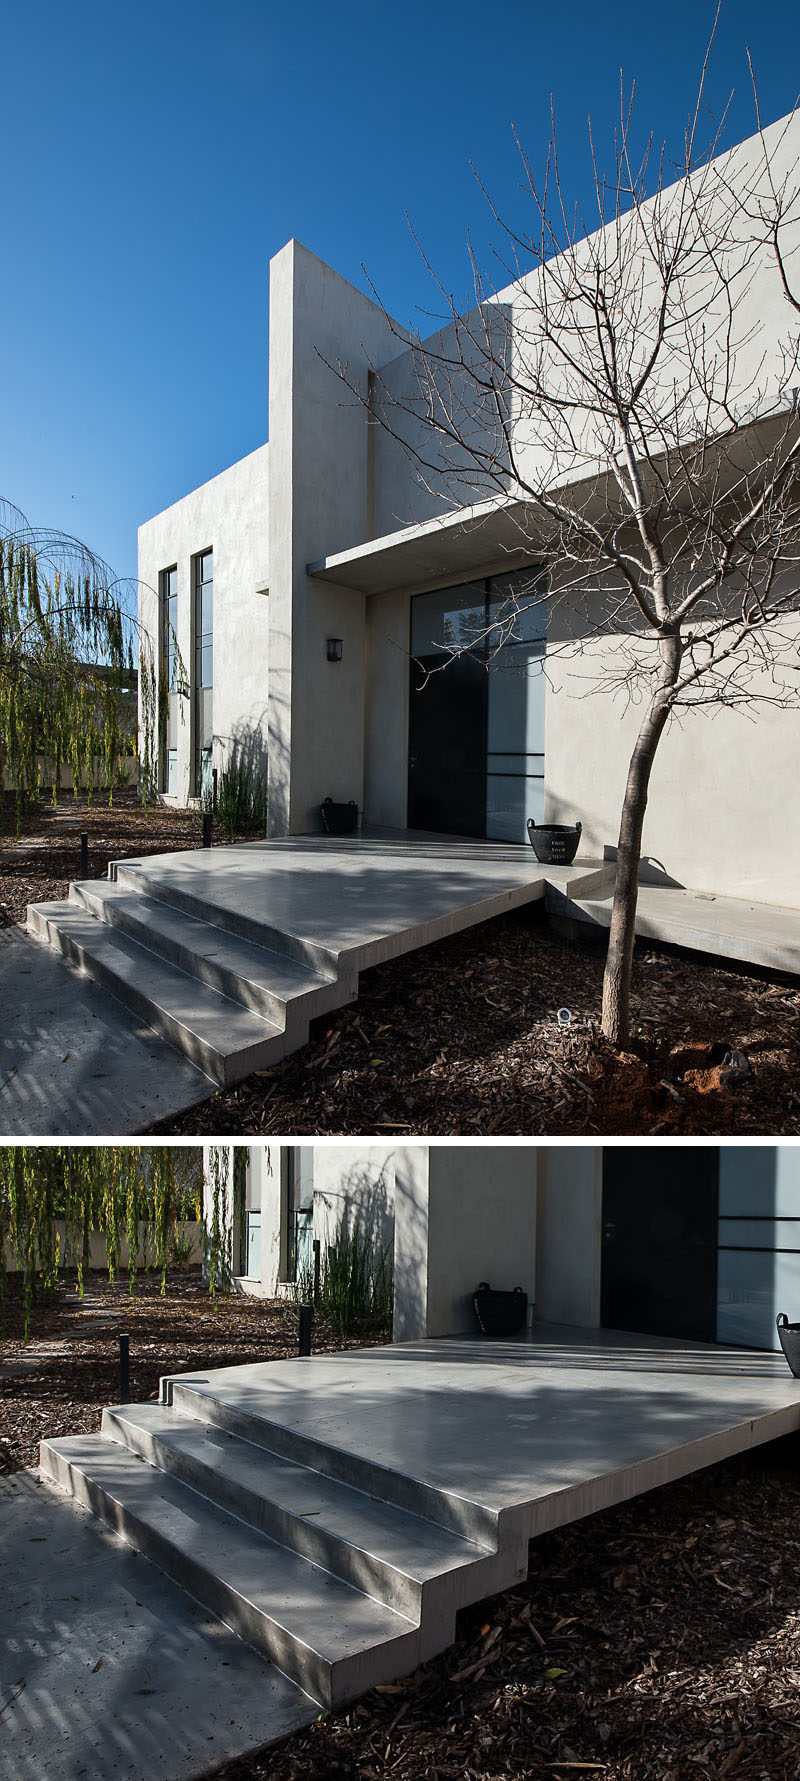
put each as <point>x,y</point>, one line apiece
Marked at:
<point>339,1587</point>
<point>230,1004</point>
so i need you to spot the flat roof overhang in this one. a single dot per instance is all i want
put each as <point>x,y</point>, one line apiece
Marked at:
<point>451,544</point>
<point>480,538</point>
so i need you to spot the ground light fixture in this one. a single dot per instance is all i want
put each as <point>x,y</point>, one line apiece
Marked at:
<point>334,645</point>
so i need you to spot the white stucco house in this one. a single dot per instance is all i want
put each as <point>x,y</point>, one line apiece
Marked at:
<point>304,583</point>
<point>694,1241</point>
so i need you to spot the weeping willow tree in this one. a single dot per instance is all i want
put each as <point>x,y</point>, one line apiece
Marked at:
<point>70,645</point>
<point>53,1197</point>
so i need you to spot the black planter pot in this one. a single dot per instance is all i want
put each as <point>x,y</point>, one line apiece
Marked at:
<point>554,843</point>
<point>500,1313</point>
<point>789,1334</point>
<point>339,819</point>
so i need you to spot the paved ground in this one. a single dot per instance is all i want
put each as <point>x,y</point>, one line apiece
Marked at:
<point>107,1669</point>
<point>541,1431</point>
<point>73,1061</point>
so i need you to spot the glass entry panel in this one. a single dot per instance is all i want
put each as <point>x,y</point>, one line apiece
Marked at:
<point>476,721</point>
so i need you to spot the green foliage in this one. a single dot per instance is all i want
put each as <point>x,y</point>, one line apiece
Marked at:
<point>140,1193</point>
<point>241,799</point>
<point>356,1288</point>
<point>68,655</point>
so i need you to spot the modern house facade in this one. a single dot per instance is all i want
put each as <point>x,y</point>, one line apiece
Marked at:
<point>700,1242</point>
<point>311,586</point>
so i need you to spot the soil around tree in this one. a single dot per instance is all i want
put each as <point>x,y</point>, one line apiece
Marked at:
<point>655,1641</point>
<point>462,1038</point>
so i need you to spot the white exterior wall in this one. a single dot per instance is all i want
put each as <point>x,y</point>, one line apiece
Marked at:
<point>228,515</point>
<point>318,504</point>
<point>355,1183</point>
<point>464,1213</point>
<point>722,791</point>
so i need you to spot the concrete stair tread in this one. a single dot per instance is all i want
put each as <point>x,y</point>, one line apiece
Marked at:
<point>322,1615</point>
<point>408,1545</point>
<point>219,1034</point>
<point>231,1399</point>
<point>162,925</point>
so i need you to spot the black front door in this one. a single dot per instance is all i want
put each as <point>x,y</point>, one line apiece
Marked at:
<point>660,1242</point>
<point>447,746</point>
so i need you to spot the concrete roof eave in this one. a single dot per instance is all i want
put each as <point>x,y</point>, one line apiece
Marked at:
<point>451,544</point>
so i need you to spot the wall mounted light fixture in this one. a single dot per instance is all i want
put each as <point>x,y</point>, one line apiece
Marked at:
<point>334,649</point>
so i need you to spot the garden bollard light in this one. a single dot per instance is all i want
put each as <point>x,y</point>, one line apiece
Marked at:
<point>317,1254</point>
<point>207,830</point>
<point>304,1329</point>
<point>124,1368</point>
<point>84,855</point>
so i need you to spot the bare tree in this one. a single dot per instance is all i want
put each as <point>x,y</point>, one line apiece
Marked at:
<point>624,399</point>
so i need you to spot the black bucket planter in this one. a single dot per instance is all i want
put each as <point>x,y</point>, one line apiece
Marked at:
<point>339,819</point>
<point>789,1334</point>
<point>554,843</point>
<point>500,1313</point>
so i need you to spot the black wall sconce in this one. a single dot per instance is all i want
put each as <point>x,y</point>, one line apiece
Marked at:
<point>334,649</point>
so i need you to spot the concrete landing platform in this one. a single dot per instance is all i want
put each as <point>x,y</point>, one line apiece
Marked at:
<point>763,934</point>
<point>359,898</point>
<point>108,1669</point>
<point>530,1434</point>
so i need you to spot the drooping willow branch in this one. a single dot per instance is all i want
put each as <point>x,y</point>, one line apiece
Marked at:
<point>70,648</point>
<point>137,1194</point>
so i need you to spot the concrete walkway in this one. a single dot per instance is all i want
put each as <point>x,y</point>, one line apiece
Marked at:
<point>73,1061</point>
<point>108,1670</point>
<point>727,927</point>
<point>340,1510</point>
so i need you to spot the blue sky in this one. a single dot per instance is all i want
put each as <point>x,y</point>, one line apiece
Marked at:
<point>155,155</point>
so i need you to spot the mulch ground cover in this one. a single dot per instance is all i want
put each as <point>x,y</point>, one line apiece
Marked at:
<point>58,1382</point>
<point>656,1641</point>
<point>462,1037</point>
<point>38,864</point>
<point>660,1639</point>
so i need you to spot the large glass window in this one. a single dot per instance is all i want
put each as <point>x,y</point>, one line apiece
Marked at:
<point>476,742</point>
<point>169,626</point>
<point>758,1271</point>
<point>204,618</point>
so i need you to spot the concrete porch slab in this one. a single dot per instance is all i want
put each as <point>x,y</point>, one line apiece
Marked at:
<point>360,899</point>
<point>108,1668</point>
<point>526,1434</point>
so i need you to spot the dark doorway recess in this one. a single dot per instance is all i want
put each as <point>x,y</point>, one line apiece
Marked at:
<point>447,746</point>
<point>659,1248</point>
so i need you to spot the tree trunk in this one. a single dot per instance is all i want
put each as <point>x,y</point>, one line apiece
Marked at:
<point>619,961</point>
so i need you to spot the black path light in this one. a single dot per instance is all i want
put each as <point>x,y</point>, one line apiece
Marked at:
<point>304,1329</point>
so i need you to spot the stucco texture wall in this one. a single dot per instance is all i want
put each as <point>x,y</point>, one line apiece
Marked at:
<point>228,515</point>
